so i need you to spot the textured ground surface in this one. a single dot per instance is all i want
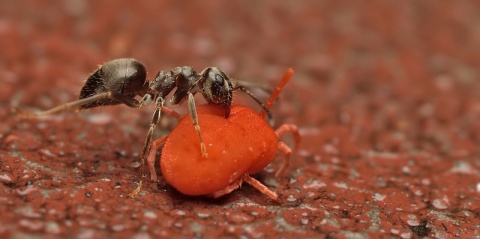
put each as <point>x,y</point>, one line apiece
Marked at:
<point>386,96</point>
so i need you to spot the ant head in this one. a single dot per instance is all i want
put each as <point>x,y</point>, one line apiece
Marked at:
<point>123,78</point>
<point>216,87</point>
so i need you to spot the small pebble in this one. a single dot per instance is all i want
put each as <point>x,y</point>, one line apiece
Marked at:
<point>439,204</point>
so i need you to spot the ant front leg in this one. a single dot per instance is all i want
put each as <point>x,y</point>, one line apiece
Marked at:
<point>193,114</point>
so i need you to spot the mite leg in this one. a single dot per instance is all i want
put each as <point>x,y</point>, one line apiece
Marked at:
<point>151,157</point>
<point>285,79</point>
<point>230,188</point>
<point>286,162</point>
<point>67,106</point>
<point>171,112</point>
<point>284,148</point>
<point>260,187</point>
<point>193,113</point>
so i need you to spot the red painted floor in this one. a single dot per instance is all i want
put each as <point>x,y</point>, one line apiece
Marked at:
<point>386,95</point>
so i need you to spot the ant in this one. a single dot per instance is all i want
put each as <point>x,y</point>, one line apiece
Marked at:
<point>119,81</point>
<point>240,145</point>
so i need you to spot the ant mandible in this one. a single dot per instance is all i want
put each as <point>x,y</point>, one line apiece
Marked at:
<point>121,80</point>
<point>240,145</point>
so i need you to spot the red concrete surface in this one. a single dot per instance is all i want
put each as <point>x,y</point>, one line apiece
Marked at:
<point>386,96</point>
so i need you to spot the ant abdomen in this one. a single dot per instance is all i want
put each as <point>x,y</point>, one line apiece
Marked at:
<point>123,78</point>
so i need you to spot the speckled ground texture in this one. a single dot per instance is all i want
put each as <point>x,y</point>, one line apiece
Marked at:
<point>386,96</point>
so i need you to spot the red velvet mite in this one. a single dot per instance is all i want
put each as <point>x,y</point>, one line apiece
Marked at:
<point>238,146</point>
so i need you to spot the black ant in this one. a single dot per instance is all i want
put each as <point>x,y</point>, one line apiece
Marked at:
<point>119,81</point>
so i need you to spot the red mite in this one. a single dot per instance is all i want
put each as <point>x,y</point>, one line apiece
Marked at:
<point>238,146</point>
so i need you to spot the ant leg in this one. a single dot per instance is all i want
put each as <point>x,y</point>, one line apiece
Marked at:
<point>193,113</point>
<point>285,79</point>
<point>66,106</point>
<point>284,148</point>
<point>230,188</point>
<point>132,102</point>
<point>264,107</point>
<point>156,144</point>
<point>128,101</point>
<point>153,124</point>
<point>260,187</point>
<point>250,84</point>
<point>148,145</point>
<point>151,157</point>
<point>146,100</point>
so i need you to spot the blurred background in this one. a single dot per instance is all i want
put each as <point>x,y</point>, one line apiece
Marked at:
<point>342,51</point>
<point>373,76</point>
<point>351,58</point>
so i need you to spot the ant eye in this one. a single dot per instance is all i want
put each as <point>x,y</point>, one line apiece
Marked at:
<point>219,80</point>
<point>218,86</point>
